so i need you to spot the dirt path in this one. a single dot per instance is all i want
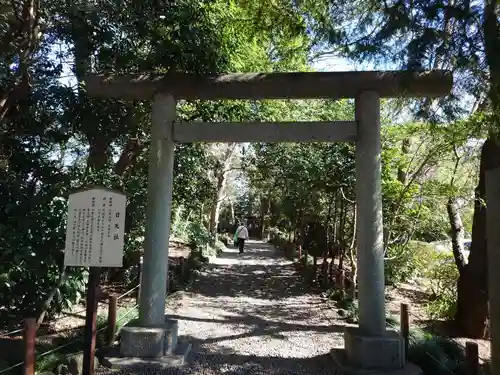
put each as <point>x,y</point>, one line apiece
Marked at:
<point>249,314</point>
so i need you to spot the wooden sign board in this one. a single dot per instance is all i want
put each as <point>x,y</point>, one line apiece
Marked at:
<point>95,228</point>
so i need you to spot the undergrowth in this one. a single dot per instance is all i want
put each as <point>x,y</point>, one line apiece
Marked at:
<point>435,355</point>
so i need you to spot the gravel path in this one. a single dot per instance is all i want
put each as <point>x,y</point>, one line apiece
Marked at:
<point>249,314</point>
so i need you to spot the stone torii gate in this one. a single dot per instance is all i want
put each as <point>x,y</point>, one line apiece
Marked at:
<point>369,346</point>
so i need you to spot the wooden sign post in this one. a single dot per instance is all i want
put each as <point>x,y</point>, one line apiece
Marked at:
<point>94,239</point>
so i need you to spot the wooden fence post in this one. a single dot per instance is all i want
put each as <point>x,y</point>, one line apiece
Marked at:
<point>29,334</point>
<point>471,358</point>
<point>405,325</point>
<point>111,329</point>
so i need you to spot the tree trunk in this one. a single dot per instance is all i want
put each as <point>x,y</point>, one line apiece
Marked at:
<point>341,258</point>
<point>264,209</point>
<point>98,153</point>
<point>472,299</point>
<point>329,245</point>
<point>19,41</point>
<point>341,232</point>
<point>221,169</point>
<point>402,172</point>
<point>351,251</point>
<point>46,304</point>
<point>231,210</point>
<point>128,157</point>
<point>302,234</point>
<point>215,210</point>
<point>457,233</point>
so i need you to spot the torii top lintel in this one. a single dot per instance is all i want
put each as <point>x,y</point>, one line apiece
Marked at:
<point>256,86</point>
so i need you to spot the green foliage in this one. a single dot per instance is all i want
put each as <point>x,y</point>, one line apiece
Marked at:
<point>219,247</point>
<point>301,180</point>
<point>196,261</point>
<point>442,276</point>
<point>199,236</point>
<point>51,361</point>
<point>346,303</point>
<point>437,355</point>
<point>433,354</point>
<point>405,262</point>
<point>276,236</point>
<point>55,137</point>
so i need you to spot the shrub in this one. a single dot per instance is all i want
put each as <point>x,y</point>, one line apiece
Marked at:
<point>226,239</point>
<point>196,260</point>
<point>276,236</point>
<point>220,247</point>
<point>192,230</point>
<point>437,269</point>
<point>406,262</point>
<point>442,276</point>
<point>49,362</point>
<point>199,236</point>
<point>437,355</point>
<point>433,354</point>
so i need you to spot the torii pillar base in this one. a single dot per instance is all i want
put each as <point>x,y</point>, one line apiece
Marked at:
<point>154,347</point>
<point>364,354</point>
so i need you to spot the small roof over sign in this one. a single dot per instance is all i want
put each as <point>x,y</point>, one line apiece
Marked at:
<point>96,187</point>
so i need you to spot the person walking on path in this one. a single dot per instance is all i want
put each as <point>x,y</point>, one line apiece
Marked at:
<point>241,236</point>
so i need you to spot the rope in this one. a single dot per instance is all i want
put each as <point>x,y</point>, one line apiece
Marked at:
<point>483,360</point>
<point>7,334</point>
<point>11,333</point>
<point>128,292</point>
<point>73,341</point>
<point>75,313</point>
<point>11,367</point>
<point>81,338</point>
<point>3,335</point>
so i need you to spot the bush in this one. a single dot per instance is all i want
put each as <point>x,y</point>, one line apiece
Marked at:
<point>49,362</point>
<point>196,260</point>
<point>192,230</point>
<point>437,355</point>
<point>276,236</point>
<point>226,239</point>
<point>419,260</point>
<point>442,276</point>
<point>199,236</point>
<point>433,354</point>
<point>220,247</point>
<point>406,262</point>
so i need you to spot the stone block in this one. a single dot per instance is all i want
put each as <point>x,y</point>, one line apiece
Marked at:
<point>148,342</point>
<point>344,367</point>
<point>171,333</point>
<point>374,352</point>
<point>136,365</point>
<point>142,342</point>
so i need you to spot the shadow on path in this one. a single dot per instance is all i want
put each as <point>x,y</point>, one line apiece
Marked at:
<point>250,314</point>
<point>258,273</point>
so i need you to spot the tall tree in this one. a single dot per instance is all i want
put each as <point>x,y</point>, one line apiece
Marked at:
<point>459,35</point>
<point>55,137</point>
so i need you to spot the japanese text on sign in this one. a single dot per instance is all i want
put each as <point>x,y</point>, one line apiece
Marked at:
<point>95,229</point>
